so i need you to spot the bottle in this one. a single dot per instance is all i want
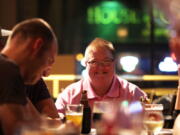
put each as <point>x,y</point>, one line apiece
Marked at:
<point>86,122</point>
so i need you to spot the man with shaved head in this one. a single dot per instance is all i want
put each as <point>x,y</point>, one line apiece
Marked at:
<point>29,52</point>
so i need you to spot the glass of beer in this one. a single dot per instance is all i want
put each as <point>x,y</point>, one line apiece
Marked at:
<point>153,118</point>
<point>99,108</point>
<point>74,113</point>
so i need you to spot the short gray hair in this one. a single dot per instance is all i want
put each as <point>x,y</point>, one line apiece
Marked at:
<point>99,43</point>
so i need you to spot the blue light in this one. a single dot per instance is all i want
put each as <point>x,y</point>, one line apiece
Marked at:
<point>135,107</point>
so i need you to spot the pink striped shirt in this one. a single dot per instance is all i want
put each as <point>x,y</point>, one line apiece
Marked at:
<point>120,90</point>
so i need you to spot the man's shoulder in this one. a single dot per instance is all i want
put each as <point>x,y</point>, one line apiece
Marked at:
<point>129,87</point>
<point>121,80</point>
<point>72,92</point>
<point>75,85</point>
<point>7,64</point>
<point>125,83</point>
<point>12,86</point>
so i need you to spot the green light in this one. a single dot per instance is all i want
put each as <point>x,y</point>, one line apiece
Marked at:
<point>161,32</point>
<point>133,18</point>
<point>125,103</point>
<point>106,17</point>
<point>110,4</point>
<point>111,12</point>
<point>146,19</point>
<point>90,13</point>
<point>97,15</point>
<point>146,32</point>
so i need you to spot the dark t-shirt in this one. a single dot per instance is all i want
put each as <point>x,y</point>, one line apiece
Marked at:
<point>12,88</point>
<point>37,92</point>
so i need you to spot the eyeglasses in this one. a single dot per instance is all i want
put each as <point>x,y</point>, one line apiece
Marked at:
<point>95,63</point>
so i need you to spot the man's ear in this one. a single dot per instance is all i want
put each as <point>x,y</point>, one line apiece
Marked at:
<point>37,45</point>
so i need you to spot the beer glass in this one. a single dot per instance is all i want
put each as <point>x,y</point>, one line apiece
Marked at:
<point>74,113</point>
<point>153,118</point>
<point>99,108</point>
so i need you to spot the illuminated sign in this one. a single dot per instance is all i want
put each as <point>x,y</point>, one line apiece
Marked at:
<point>112,12</point>
<point>114,21</point>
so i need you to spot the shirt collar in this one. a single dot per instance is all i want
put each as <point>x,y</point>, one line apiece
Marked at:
<point>113,92</point>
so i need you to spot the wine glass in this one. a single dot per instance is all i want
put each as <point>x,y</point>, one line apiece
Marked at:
<point>153,118</point>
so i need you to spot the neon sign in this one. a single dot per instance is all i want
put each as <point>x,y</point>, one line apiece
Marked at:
<point>111,12</point>
<point>110,17</point>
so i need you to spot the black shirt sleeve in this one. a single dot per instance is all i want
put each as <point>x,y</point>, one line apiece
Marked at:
<point>37,92</point>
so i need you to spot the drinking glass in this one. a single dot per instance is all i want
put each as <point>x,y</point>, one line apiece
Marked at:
<point>74,113</point>
<point>103,116</point>
<point>99,108</point>
<point>153,118</point>
<point>118,117</point>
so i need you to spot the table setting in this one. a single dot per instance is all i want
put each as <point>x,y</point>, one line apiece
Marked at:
<point>108,118</point>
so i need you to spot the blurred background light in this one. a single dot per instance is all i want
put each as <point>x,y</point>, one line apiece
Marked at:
<point>124,103</point>
<point>168,65</point>
<point>129,63</point>
<point>135,107</point>
<point>105,12</point>
<point>84,73</point>
<point>122,32</point>
<point>79,56</point>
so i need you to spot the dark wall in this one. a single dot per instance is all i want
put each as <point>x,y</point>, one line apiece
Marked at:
<point>65,16</point>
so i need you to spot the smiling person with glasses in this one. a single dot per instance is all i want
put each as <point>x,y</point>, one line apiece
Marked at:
<point>101,82</point>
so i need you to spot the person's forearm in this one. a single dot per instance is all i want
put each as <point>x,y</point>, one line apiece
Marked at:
<point>48,108</point>
<point>32,111</point>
